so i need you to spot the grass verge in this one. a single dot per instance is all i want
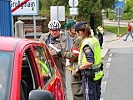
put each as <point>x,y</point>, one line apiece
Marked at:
<point>114,29</point>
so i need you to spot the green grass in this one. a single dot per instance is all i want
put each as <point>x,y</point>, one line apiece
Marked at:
<point>114,29</point>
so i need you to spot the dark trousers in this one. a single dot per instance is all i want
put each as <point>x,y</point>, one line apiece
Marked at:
<point>129,33</point>
<point>94,88</point>
<point>100,38</point>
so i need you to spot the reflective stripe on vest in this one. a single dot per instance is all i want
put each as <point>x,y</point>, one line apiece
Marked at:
<point>95,46</point>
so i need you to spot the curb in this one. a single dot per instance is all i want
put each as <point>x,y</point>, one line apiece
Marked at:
<point>104,52</point>
<point>112,40</point>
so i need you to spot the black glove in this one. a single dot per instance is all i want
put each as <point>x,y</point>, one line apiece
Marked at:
<point>101,67</point>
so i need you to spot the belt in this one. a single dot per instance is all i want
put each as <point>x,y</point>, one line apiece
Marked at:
<point>95,70</point>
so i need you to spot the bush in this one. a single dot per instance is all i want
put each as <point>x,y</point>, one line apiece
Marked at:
<point>127,16</point>
<point>112,16</point>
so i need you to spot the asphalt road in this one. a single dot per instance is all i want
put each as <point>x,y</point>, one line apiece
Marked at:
<point>117,82</point>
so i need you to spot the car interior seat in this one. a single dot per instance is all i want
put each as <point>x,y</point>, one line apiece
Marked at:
<point>24,90</point>
<point>26,79</point>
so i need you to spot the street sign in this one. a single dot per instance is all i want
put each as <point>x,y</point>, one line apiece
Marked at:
<point>119,4</point>
<point>18,6</point>
<point>73,3</point>
<point>73,11</point>
<point>24,7</point>
<point>118,11</point>
<point>57,13</point>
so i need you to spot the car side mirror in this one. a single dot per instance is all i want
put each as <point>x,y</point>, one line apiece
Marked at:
<point>40,95</point>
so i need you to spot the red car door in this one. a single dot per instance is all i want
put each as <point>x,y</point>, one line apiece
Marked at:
<point>47,69</point>
<point>25,74</point>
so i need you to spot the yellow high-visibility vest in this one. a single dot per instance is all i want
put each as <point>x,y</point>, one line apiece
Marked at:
<point>44,68</point>
<point>95,46</point>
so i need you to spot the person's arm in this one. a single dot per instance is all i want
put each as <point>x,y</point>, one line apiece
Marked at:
<point>68,55</point>
<point>89,56</point>
<point>41,38</point>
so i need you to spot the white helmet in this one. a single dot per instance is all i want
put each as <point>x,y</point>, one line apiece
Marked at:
<point>54,25</point>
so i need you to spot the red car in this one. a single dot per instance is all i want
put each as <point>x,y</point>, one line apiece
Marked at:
<point>22,72</point>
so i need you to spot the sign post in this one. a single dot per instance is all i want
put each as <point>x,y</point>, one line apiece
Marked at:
<point>73,10</point>
<point>119,9</point>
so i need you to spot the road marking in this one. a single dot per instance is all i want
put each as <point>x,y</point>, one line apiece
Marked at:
<point>103,86</point>
<point>109,60</point>
<point>108,65</point>
<point>106,74</point>
<point>110,55</point>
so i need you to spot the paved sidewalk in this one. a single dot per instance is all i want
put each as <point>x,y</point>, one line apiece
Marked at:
<point>112,41</point>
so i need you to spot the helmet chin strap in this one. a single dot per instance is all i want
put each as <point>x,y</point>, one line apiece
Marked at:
<point>55,36</point>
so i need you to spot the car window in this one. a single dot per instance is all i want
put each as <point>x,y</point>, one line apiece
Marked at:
<point>43,60</point>
<point>27,76</point>
<point>5,74</point>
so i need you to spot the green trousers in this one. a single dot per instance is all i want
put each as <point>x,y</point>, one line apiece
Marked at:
<point>76,86</point>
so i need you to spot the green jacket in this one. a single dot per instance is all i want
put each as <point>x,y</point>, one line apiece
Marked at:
<point>69,55</point>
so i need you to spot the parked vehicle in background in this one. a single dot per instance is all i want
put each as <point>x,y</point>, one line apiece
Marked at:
<point>21,74</point>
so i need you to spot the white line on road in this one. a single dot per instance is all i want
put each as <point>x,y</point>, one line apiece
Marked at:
<point>108,65</point>
<point>109,60</point>
<point>110,55</point>
<point>103,86</point>
<point>106,73</point>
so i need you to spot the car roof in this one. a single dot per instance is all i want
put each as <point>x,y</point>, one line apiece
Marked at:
<point>10,43</point>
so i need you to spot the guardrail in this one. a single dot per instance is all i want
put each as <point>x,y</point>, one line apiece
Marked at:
<point>123,23</point>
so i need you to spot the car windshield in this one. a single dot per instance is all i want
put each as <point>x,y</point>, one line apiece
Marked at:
<point>5,74</point>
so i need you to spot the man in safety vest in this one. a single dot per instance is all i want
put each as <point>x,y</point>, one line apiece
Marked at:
<point>72,55</point>
<point>100,32</point>
<point>90,63</point>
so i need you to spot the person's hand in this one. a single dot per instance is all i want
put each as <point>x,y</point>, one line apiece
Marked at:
<point>59,53</point>
<point>77,70</point>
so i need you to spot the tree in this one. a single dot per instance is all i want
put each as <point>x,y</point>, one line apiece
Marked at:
<point>107,4</point>
<point>129,6</point>
<point>44,6</point>
<point>90,11</point>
